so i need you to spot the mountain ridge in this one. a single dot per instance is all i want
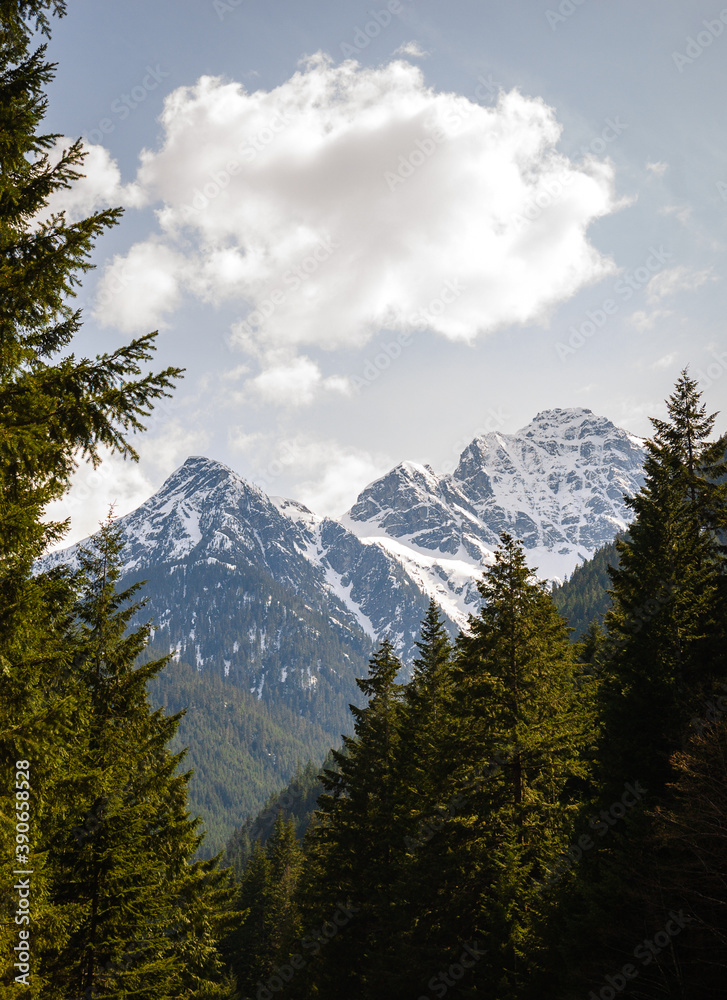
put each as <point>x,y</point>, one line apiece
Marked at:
<point>558,484</point>
<point>263,594</point>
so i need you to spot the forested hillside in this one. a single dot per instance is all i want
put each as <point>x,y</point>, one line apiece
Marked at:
<point>584,597</point>
<point>582,600</point>
<point>296,803</point>
<point>236,749</point>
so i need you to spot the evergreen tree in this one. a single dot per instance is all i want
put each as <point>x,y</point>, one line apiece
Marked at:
<point>518,739</point>
<point>271,928</point>
<point>54,409</point>
<point>584,597</point>
<point>425,707</point>
<point>297,803</point>
<point>690,851</point>
<point>667,625</point>
<point>142,918</point>
<point>665,651</point>
<point>355,850</point>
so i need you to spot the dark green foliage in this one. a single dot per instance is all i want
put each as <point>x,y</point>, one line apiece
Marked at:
<point>446,809</point>
<point>356,845</point>
<point>690,845</point>
<point>427,702</point>
<point>662,659</point>
<point>141,918</point>
<point>272,924</point>
<point>503,825</point>
<point>518,741</point>
<point>297,802</point>
<point>54,408</point>
<point>584,597</point>
<point>449,819</point>
<point>666,637</point>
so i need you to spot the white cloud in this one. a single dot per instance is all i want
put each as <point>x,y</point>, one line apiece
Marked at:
<point>322,474</point>
<point>352,199</point>
<point>100,186</point>
<point>681,212</point>
<point>664,285</point>
<point>658,168</point>
<point>677,279</point>
<point>412,49</point>
<point>644,320</point>
<point>330,477</point>
<point>116,482</point>
<point>295,383</point>
<point>138,291</point>
<point>236,373</point>
<point>666,362</point>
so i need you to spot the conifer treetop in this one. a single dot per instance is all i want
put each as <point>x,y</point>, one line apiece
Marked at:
<point>687,431</point>
<point>17,17</point>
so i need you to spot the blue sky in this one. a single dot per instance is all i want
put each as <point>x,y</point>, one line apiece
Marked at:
<point>438,220</point>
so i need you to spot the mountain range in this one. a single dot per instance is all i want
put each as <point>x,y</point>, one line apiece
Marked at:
<point>261,594</point>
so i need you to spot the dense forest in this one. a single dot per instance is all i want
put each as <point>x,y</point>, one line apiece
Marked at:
<point>584,597</point>
<point>236,749</point>
<point>532,815</point>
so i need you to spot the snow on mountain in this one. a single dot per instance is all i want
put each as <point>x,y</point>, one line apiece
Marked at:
<point>336,591</point>
<point>558,484</point>
<point>215,548</point>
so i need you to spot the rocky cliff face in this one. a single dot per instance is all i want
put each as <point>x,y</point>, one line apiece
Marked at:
<point>262,591</point>
<point>558,484</point>
<point>289,605</point>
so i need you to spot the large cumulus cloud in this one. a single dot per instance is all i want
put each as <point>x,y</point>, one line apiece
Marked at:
<point>350,200</point>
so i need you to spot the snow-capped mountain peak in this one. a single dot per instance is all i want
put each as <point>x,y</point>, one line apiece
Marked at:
<point>253,585</point>
<point>558,484</point>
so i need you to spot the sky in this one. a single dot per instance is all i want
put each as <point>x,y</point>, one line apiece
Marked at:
<point>370,233</point>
